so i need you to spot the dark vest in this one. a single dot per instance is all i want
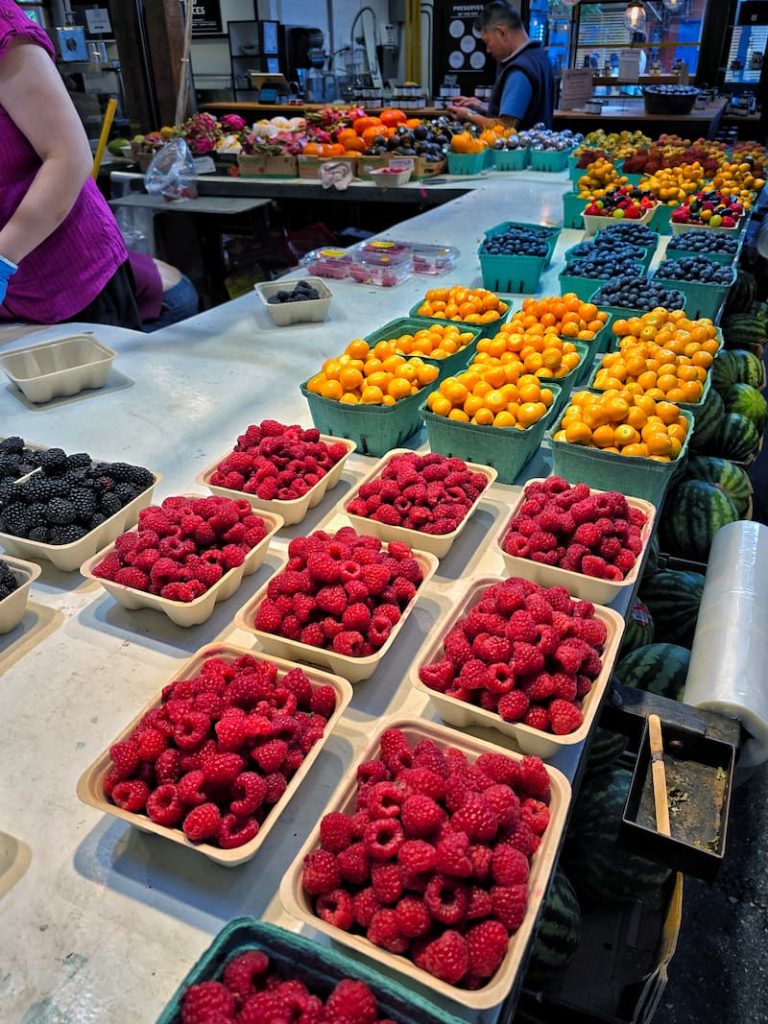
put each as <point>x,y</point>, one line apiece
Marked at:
<point>534,63</point>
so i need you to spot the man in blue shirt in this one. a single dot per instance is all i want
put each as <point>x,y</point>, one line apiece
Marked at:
<point>524,93</point>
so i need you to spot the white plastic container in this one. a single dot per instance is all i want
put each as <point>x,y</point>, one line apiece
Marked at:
<point>437,544</point>
<point>68,557</point>
<point>385,178</point>
<point>587,588</point>
<point>296,901</point>
<point>90,787</point>
<point>58,368</point>
<point>529,740</point>
<point>593,223</point>
<point>13,606</point>
<point>191,613</point>
<point>286,313</point>
<point>293,511</point>
<point>353,669</point>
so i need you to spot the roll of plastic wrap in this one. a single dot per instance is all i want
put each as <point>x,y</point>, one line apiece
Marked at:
<point>729,659</point>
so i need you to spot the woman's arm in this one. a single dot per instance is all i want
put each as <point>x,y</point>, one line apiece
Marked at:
<point>33,95</point>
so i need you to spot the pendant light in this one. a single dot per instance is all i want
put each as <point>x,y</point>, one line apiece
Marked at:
<point>635,17</point>
<point>674,6</point>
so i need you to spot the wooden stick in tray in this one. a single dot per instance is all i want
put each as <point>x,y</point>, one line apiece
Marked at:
<point>659,776</point>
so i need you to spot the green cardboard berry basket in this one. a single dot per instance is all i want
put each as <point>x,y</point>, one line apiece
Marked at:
<point>650,250</point>
<point>577,374</point>
<point>375,429</point>
<point>644,260</point>
<point>320,967</point>
<point>466,163</point>
<point>551,161</point>
<point>452,364</point>
<point>510,159</point>
<point>516,274</point>
<point>506,449</point>
<point>619,313</point>
<point>584,287</point>
<point>573,207</point>
<point>635,476</point>
<point>691,407</point>
<point>723,258</point>
<point>701,300</point>
<point>662,219</point>
<point>486,330</point>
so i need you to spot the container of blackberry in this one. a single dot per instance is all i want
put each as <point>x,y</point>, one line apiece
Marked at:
<point>704,283</point>
<point>296,302</point>
<point>70,506</point>
<point>723,249</point>
<point>16,578</point>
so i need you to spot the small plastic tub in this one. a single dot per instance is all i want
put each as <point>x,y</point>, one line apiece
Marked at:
<point>297,903</point>
<point>321,968</point>
<point>506,449</point>
<point>434,259</point>
<point>552,161</point>
<point>586,588</point>
<point>68,557</point>
<point>353,669</point>
<point>293,511</point>
<point>701,300</point>
<point>191,613</point>
<point>13,606</point>
<point>510,159</point>
<point>328,262</point>
<point>286,313</point>
<point>56,369</point>
<point>593,223</point>
<point>386,177</point>
<point>380,267</point>
<point>460,714</point>
<point>90,786</point>
<point>466,163</point>
<point>452,364</point>
<point>436,544</point>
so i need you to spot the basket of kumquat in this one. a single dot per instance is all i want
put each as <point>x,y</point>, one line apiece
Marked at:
<point>463,305</point>
<point>544,355</point>
<point>564,316</point>
<point>449,346</point>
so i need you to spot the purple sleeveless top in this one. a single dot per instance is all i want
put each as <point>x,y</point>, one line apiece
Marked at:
<point>70,268</point>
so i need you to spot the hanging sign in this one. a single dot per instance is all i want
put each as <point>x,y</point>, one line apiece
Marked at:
<point>206,17</point>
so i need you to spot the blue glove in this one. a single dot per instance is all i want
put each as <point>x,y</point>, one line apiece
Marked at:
<point>7,270</point>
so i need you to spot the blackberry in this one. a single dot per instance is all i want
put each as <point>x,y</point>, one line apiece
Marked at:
<point>12,444</point>
<point>78,460</point>
<point>110,504</point>
<point>67,534</point>
<point>8,581</point>
<point>60,487</point>
<point>118,470</point>
<point>9,466</point>
<point>96,520</point>
<point>40,534</point>
<point>14,520</point>
<point>37,514</point>
<point>54,460</point>
<point>83,502</point>
<point>61,512</point>
<point>103,484</point>
<point>8,491</point>
<point>126,492</point>
<point>142,478</point>
<point>38,488</point>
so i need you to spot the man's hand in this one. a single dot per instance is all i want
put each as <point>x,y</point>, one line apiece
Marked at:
<point>7,270</point>
<point>472,102</point>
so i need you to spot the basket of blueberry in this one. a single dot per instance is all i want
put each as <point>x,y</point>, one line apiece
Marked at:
<point>636,234</point>
<point>307,301</point>
<point>513,256</point>
<point>615,245</point>
<point>704,283</point>
<point>589,266</point>
<point>631,295</point>
<point>715,246</point>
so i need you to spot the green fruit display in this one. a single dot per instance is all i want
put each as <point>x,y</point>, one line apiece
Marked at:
<point>727,475</point>
<point>673,598</point>
<point>656,668</point>
<point>742,330</point>
<point>558,935</point>
<point>605,748</point>
<point>737,366</point>
<point>694,512</point>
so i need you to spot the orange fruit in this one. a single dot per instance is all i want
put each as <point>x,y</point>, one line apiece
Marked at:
<point>372,395</point>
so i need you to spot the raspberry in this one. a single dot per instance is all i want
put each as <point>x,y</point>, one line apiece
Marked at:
<point>350,643</point>
<point>353,864</point>
<point>270,756</point>
<point>523,839</point>
<point>387,882</point>
<point>168,766</point>
<point>535,814</point>
<point>385,800</point>
<point>587,534</point>
<point>570,657</point>
<point>384,931</point>
<point>491,649</point>
<point>202,822</point>
<point>231,730</point>
<point>564,717</point>
<point>499,768</point>
<point>421,815</point>
<point>268,617</point>
<point>190,788</point>
<point>249,791</point>
<point>207,1001</point>
<point>126,758</point>
<point>191,730</point>
<point>509,866</point>
<point>593,565</point>
<point>479,904</point>
<point>503,800</point>
<point>413,918</point>
<point>335,832</point>
<point>323,701</point>
<point>164,806</point>
<point>276,785</point>
<point>357,617</point>
<point>383,838</point>
<point>625,561</point>
<point>352,1001</point>
<point>222,769</point>
<point>404,590</point>
<point>565,686</point>
<point>481,857</point>
<point>416,857</point>
<point>591,631</point>
<point>379,630</point>
<point>375,577</point>
<point>534,778</point>
<point>241,972</point>
<point>513,706</point>
<point>509,904</point>
<point>447,958</point>
<point>336,908</point>
<point>446,900</point>
<point>130,795</point>
<point>452,856</point>
<point>423,780</point>
<point>527,659</point>
<point>473,675</point>
<point>392,743</point>
<point>540,687</point>
<point>487,944</point>
<point>320,873</point>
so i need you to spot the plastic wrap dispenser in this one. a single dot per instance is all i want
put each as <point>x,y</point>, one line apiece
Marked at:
<point>729,659</point>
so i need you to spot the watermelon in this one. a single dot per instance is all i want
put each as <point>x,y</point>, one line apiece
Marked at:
<point>600,867</point>
<point>652,558</point>
<point>694,512</point>
<point>558,935</point>
<point>639,629</point>
<point>605,748</point>
<point>743,330</point>
<point>732,478</point>
<point>673,598</point>
<point>737,439</point>
<point>656,668</point>
<point>742,293</point>
<point>747,400</point>
<point>738,367</point>
<point>707,422</point>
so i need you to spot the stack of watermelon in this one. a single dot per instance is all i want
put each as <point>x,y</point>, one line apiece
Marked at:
<point>673,598</point>
<point>558,934</point>
<point>731,421</point>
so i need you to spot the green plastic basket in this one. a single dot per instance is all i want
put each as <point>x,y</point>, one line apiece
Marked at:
<point>662,219</point>
<point>574,378</point>
<point>510,159</point>
<point>517,274</point>
<point>319,967</point>
<point>409,325</point>
<point>466,163</point>
<point>584,287</point>
<point>644,260</point>
<point>507,449</point>
<point>723,258</point>
<point>701,300</point>
<point>573,207</point>
<point>619,313</point>
<point>544,160</point>
<point>691,407</point>
<point>375,429</point>
<point>486,330</point>
<point>649,250</point>
<point>605,471</point>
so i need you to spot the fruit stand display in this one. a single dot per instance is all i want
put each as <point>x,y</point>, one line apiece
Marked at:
<point>313,727</point>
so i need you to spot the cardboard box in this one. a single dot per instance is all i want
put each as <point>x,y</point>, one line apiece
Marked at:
<point>422,168</point>
<point>309,166</point>
<point>267,165</point>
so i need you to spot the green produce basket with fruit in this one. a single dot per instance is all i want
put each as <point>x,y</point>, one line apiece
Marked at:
<point>723,258</point>
<point>650,250</point>
<point>517,274</point>
<point>701,300</point>
<point>319,967</point>
<point>486,330</point>
<point>466,163</point>
<point>573,207</point>
<point>620,313</point>
<point>510,159</point>
<point>691,407</point>
<point>635,476</point>
<point>662,219</point>
<point>552,161</point>
<point>584,287</point>
<point>506,449</point>
<point>645,260</point>
<point>375,429</point>
<point>449,366</point>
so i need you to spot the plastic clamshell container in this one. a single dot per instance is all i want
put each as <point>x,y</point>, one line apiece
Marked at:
<point>586,588</point>
<point>433,259</point>
<point>466,163</point>
<point>506,449</point>
<point>297,903</point>
<point>510,159</point>
<point>294,510</point>
<point>460,714</point>
<point>321,968</point>
<point>551,160</point>
<point>56,369</point>
<point>13,606</point>
<point>90,786</point>
<point>353,669</point>
<point>380,266</point>
<point>286,313</point>
<point>593,223</point>
<point>573,208</point>
<point>328,262</point>
<point>436,544</point>
<point>191,613</point>
<point>453,363</point>
<point>375,429</point>
<point>701,300</point>
<point>634,476</point>
<point>68,557</point>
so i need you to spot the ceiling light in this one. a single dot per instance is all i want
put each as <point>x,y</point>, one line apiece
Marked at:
<point>635,17</point>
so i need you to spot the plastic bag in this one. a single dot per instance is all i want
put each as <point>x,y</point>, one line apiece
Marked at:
<point>171,172</point>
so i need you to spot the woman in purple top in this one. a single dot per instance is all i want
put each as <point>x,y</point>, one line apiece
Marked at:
<point>61,253</point>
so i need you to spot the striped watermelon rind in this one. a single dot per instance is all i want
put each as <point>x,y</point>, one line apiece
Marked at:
<point>737,366</point>
<point>732,478</point>
<point>605,748</point>
<point>657,668</point>
<point>558,935</point>
<point>741,330</point>
<point>673,597</point>
<point>746,400</point>
<point>694,512</point>
<point>601,869</point>
<point>652,556</point>
<point>639,628</point>
<point>737,439</point>
<point>708,422</point>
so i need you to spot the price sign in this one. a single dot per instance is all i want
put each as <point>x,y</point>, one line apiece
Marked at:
<point>206,17</point>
